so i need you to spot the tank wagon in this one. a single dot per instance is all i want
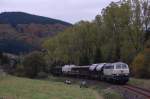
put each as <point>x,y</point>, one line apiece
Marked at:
<point>113,72</point>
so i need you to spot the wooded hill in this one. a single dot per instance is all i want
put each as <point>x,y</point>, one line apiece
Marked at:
<point>22,32</point>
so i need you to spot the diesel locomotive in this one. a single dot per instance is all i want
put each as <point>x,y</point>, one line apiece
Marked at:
<point>117,72</point>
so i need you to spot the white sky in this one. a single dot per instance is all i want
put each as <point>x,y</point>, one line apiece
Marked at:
<point>68,10</point>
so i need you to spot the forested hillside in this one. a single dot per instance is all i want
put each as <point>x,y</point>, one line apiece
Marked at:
<point>120,33</point>
<point>15,18</point>
<point>22,32</point>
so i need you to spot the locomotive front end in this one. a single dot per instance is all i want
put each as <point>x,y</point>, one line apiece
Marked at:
<point>116,72</point>
<point>121,72</point>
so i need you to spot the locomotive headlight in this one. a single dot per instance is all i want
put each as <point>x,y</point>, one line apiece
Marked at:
<point>126,74</point>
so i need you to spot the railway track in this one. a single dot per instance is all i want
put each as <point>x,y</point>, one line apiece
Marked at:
<point>138,90</point>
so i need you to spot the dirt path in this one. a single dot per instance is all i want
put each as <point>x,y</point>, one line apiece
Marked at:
<point>97,96</point>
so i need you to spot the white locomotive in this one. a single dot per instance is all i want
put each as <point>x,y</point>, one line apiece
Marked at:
<point>115,72</point>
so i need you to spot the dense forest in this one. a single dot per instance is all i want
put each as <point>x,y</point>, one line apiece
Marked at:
<point>119,33</point>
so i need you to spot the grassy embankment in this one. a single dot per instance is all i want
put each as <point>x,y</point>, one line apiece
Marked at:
<point>53,88</point>
<point>103,89</point>
<point>23,88</point>
<point>144,83</point>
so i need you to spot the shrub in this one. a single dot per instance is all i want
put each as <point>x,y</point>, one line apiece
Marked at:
<point>34,63</point>
<point>4,59</point>
<point>42,75</point>
<point>19,70</point>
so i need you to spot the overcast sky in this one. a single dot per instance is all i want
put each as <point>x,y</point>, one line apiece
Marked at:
<point>68,10</point>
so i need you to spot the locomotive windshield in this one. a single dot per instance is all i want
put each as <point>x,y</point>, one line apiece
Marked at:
<point>124,66</point>
<point>121,66</point>
<point>118,66</point>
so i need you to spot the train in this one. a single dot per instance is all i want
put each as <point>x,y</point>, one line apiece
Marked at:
<point>117,72</point>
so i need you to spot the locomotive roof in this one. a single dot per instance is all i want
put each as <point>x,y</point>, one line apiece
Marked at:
<point>119,63</point>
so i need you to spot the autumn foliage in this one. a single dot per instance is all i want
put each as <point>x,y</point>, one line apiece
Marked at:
<point>141,64</point>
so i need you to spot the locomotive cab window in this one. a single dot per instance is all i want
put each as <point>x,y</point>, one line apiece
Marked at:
<point>118,66</point>
<point>124,66</point>
<point>121,66</point>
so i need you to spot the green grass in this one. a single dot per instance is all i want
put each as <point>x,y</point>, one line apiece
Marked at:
<point>145,83</point>
<point>111,94</point>
<point>53,88</point>
<point>107,92</point>
<point>103,89</point>
<point>23,88</point>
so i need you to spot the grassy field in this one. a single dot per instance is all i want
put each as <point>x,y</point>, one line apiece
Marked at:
<point>107,92</point>
<point>102,88</point>
<point>23,88</point>
<point>53,88</point>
